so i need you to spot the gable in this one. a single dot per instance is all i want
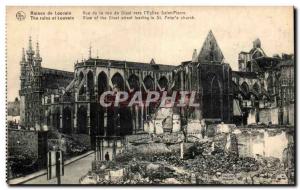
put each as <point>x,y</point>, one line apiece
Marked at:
<point>210,51</point>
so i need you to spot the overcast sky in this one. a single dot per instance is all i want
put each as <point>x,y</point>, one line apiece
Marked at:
<point>167,41</point>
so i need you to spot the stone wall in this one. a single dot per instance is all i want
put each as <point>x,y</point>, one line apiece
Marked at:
<point>275,116</point>
<point>251,117</point>
<point>288,115</point>
<point>269,115</point>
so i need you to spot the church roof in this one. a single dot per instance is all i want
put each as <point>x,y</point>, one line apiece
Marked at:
<point>241,74</point>
<point>54,78</point>
<point>129,64</point>
<point>210,51</point>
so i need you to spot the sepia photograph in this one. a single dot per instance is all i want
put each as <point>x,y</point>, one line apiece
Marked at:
<point>150,95</point>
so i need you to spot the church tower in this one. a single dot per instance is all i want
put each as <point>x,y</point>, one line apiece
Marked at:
<point>31,87</point>
<point>22,87</point>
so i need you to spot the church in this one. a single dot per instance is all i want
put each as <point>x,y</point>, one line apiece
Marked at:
<point>261,91</point>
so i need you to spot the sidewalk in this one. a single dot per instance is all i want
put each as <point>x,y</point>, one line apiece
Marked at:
<point>30,177</point>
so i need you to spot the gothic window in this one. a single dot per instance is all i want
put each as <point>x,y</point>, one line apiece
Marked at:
<point>216,98</point>
<point>134,82</point>
<point>163,82</point>
<point>149,82</point>
<point>81,85</point>
<point>102,83</point>
<point>212,97</point>
<point>90,82</point>
<point>256,88</point>
<point>118,82</point>
<point>245,89</point>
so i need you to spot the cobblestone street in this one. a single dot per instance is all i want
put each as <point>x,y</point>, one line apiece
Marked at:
<point>73,172</point>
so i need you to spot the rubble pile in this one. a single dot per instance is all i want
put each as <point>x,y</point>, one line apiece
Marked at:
<point>173,158</point>
<point>221,162</point>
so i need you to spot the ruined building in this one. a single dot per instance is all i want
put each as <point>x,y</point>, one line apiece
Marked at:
<point>69,101</point>
<point>263,88</point>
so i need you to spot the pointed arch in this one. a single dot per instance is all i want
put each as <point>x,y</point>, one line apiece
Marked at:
<point>90,82</point>
<point>212,96</point>
<point>102,83</point>
<point>256,88</point>
<point>82,120</point>
<point>80,76</point>
<point>149,82</point>
<point>163,82</point>
<point>134,82</point>
<point>245,89</point>
<point>216,97</point>
<point>118,82</point>
<point>81,88</point>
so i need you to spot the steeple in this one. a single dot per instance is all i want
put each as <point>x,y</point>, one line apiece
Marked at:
<point>30,43</point>
<point>195,56</point>
<point>37,50</point>
<point>30,51</point>
<point>23,60</point>
<point>38,58</point>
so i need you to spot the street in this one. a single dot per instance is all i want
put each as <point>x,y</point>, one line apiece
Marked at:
<point>73,172</point>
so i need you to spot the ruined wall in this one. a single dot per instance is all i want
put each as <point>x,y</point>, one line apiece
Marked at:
<point>269,115</point>
<point>251,117</point>
<point>288,115</point>
<point>284,115</point>
<point>291,114</point>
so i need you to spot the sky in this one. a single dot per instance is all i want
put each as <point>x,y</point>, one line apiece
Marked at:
<point>166,41</point>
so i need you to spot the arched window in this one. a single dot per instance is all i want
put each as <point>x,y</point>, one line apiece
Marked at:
<point>163,82</point>
<point>134,83</point>
<point>149,82</point>
<point>90,82</point>
<point>102,83</point>
<point>256,88</point>
<point>245,89</point>
<point>80,77</point>
<point>81,85</point>
<point>118,82</point>
<point>216,98</point>
<point>212,96</point>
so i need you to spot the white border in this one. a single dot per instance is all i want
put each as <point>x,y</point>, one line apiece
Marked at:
<point>111,2</point>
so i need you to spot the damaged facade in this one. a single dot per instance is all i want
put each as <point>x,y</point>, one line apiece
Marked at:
<point>263,88</point>
<point>69,101</point>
